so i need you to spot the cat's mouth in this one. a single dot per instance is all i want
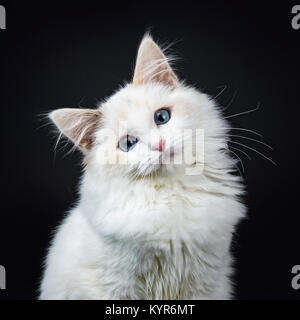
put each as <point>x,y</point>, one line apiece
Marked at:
<point>166,157</point>
<point>164,162</point>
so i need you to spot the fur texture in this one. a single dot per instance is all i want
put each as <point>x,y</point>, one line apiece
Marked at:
<point>143,229</point>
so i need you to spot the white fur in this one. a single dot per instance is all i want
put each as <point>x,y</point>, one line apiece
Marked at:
<point>145,236</point>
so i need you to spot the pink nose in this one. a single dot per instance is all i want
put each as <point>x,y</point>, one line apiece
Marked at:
<point>160,146</point>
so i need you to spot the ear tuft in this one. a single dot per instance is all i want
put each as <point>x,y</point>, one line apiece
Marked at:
<point>79,125</point>
<point>152,65</point>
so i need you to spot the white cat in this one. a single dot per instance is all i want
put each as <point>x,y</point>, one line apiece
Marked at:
<point>146,228</point>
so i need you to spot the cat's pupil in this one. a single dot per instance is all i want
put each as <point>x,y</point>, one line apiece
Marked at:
<point>161,116</point>
<point>127,143</point>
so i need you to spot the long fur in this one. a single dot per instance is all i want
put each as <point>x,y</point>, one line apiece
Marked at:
<point>141,232</point>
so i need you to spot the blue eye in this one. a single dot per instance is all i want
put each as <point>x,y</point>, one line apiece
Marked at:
<point>162,116</point>
<point>127,143</point>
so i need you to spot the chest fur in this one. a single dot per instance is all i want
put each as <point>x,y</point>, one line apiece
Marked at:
<point>173,275</point>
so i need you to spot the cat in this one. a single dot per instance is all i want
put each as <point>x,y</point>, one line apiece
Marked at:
<point>146,227</point>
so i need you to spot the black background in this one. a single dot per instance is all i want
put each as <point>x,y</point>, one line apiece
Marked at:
<point>68,54</point>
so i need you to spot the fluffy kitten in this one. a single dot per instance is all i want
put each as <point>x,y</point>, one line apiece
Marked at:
<point>145,226</point>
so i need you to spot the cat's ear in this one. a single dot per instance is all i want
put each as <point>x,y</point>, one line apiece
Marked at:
<point>152,65</point>
<point>79,125</point>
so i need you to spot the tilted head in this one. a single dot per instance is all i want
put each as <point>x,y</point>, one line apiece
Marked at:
<point>154,126</point>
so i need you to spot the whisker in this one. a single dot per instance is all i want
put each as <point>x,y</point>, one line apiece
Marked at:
<point>239,160</point>
<point>244,129</point>
<point>231,101</point>
<point>251,139</point>
<point>240,144</point>
<point>243,152</point>
<point>223,89</point>
<point>245,112</point>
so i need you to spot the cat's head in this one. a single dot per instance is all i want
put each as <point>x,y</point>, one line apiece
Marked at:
<point>153,126</point>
